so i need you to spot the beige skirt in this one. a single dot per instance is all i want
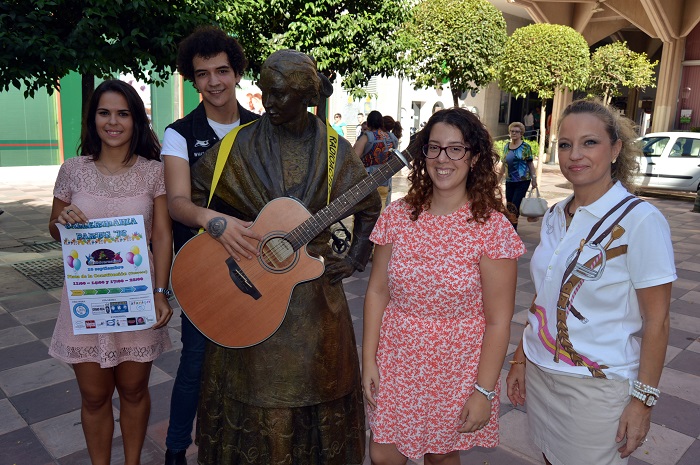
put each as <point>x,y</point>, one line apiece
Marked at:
<point>574,420</point>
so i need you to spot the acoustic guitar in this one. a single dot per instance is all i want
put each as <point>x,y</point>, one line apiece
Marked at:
<point>241,303</point>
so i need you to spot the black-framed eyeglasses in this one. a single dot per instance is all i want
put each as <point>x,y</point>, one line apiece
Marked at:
<point>453,152</point>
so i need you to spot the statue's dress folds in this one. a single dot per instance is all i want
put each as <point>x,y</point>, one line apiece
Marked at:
<point>295,398</point>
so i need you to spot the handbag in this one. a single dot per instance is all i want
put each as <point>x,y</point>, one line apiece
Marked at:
<point>533,207</point>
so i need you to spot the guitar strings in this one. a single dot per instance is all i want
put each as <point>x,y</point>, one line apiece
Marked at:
<point>309,228</point>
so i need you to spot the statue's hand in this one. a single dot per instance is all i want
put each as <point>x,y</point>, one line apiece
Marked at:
<point>338,271</point>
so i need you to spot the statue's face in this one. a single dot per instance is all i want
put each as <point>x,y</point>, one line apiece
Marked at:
<point>282,103</point>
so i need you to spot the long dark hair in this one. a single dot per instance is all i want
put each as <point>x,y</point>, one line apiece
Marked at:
<point>144,142</point>
<point>482,183</point>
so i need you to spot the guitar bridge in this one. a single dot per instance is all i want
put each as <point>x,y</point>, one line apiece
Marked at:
<point>241,280</point>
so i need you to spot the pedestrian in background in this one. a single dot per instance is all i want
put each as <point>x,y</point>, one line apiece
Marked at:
<point>529,122</point>
<point>519,170</point>
<point>603,273</point>
<point>440,300</point>
<point>338,124</point>
<point>374,148</point>
<point>118,173</point>
<point>389,125</point>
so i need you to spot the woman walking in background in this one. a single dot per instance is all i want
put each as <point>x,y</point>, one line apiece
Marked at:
<point>520,172</point>
<point>374,148</point>
<point>603,273</point>
<point>439,301</point>
<point>118,173</point>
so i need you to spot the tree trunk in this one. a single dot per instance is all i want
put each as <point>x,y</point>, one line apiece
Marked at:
<point>88,87</point>
<point>455,96</point>
<point>543,138</point>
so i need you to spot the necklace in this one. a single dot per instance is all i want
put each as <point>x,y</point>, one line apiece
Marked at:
<point>110,179</point>
<point>110,171</point>
<point>568,210</point>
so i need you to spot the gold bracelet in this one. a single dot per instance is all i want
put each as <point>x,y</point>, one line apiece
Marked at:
<point>515,362</point>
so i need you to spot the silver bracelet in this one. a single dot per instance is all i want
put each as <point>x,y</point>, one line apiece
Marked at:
<point>645,388</point>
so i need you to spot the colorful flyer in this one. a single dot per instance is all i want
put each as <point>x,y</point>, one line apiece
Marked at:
<point>108,275</point>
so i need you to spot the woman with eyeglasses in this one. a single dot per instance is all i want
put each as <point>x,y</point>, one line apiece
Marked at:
<point>439,302</point>
<point>518,158</point>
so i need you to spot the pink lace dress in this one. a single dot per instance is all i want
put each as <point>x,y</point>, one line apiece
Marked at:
<point>433,327</point>
<point>101,196</point>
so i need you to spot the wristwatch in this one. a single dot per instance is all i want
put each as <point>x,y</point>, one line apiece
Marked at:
<point>490,395</point>
<point>163,290</point>
<point>647,398</point>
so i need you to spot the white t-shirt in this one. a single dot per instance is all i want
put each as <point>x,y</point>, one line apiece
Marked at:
<point>176,145</point>
<point>606,298</point>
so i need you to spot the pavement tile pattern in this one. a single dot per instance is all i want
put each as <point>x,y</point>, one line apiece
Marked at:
<point>39,397</point>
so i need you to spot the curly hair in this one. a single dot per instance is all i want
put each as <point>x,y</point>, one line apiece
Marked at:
<point>618,127</point>
<point>482,183</point>
<point>144,142</point>
<point>518,125</point>
<point>207,42</point>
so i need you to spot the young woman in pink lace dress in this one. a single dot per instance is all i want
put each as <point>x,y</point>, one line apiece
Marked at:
<point>440,300</point>
<point>118,173</point>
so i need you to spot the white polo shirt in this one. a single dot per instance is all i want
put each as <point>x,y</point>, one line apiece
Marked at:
<point>605,298</point>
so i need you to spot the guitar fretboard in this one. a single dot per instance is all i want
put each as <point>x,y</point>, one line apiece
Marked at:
<point>312,227</point>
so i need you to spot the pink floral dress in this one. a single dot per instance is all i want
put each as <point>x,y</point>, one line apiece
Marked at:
<point>101,196</point>
<point>433,327</point>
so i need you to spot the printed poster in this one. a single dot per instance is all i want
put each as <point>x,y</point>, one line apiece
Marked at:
<point>108,275</point>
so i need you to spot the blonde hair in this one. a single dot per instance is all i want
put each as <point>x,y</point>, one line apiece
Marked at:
<point>618,127</point>
<point>518,125</point>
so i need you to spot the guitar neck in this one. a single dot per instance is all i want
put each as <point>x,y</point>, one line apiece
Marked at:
<point>306,231</point>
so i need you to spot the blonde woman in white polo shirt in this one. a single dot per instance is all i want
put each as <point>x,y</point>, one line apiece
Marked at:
<point>602,272</point>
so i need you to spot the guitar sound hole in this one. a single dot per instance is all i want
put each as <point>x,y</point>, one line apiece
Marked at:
<point>277,254</point>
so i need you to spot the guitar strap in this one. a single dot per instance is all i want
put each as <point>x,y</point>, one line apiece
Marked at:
<point>227,144</point>
<point>222,156</point>
<point>332,156</point>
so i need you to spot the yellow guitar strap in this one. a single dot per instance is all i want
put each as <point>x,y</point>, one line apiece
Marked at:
<point>227,144</point>
<point>332,156</point>
<point>222,156</point>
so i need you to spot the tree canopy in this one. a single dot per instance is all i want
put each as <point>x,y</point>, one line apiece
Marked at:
<point>614,66</point>
<point>456,40</point>
<point>44,40</point>
<point>542,58</point>
<point>352,37</point>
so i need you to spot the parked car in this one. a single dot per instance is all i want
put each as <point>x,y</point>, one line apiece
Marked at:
<point>671,160</point>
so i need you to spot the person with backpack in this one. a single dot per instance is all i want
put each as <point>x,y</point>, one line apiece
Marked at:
<point>374,147</point>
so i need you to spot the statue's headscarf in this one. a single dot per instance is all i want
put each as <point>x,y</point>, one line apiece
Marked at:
<point>300,72</point>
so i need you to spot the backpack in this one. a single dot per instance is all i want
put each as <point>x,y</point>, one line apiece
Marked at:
<point>377,150</point>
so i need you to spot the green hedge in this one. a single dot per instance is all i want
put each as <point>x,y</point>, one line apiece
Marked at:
<point>498,146</point>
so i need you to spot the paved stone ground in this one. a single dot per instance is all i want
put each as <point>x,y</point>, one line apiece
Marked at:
<point>40,402</point>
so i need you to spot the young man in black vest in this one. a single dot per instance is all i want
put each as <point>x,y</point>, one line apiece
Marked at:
<point>214,63</point>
